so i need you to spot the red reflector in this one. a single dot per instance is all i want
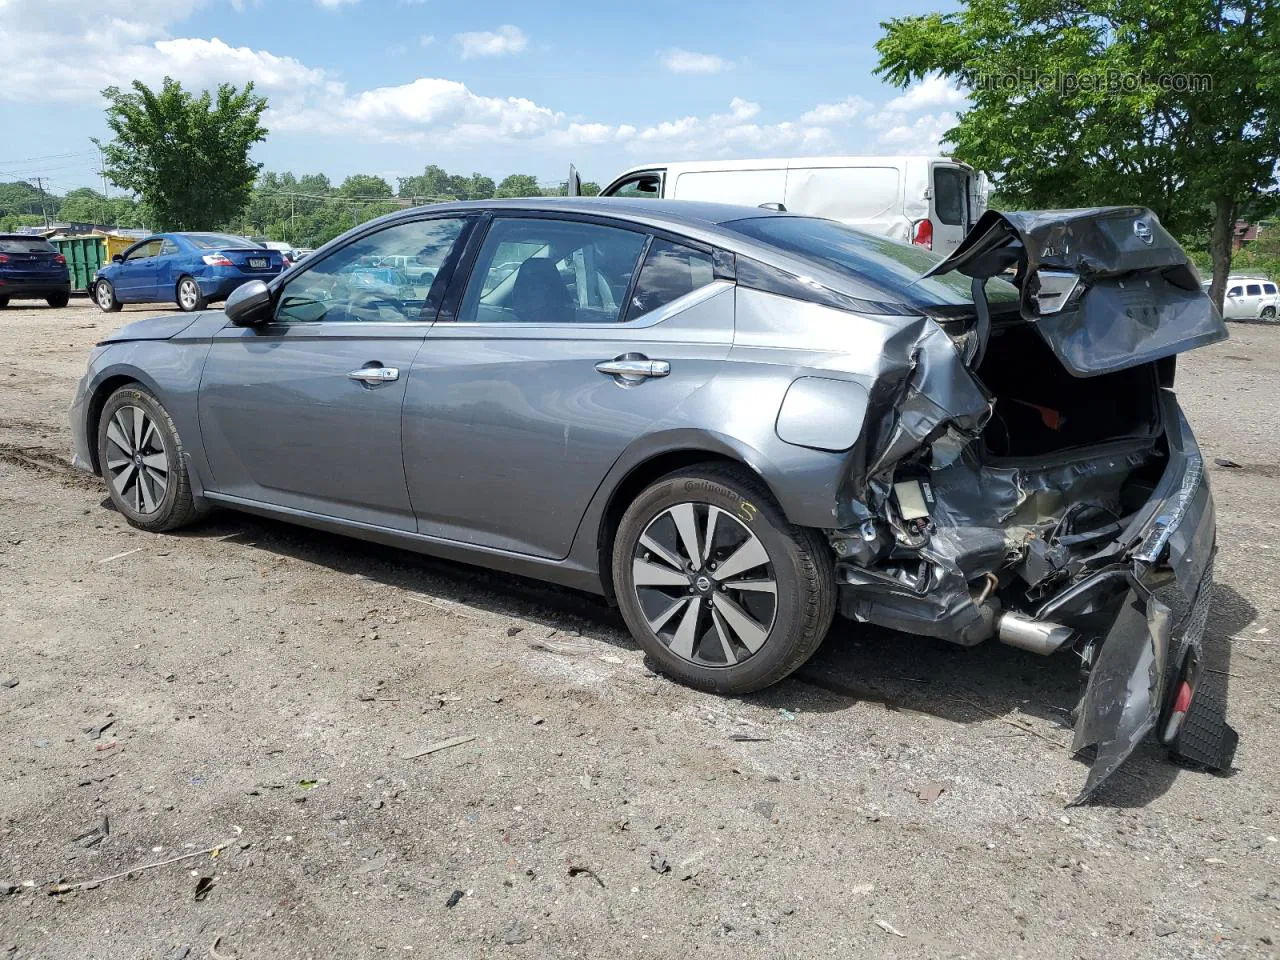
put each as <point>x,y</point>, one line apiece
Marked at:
<point>4,258</point>
<point>59,259</point>
<point>923,236</point>
<point>1183,701</point>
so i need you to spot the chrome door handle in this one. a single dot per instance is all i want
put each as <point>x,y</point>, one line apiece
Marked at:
<point>374,374</point>
<point>638,369</point>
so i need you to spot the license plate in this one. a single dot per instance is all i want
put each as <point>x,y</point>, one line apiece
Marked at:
<point>258,263</point>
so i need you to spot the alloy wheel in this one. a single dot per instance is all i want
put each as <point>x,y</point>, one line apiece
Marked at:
<point>188,294</point>
<point>705,584</point>
<point>137,461</point>
<point>104,295</point>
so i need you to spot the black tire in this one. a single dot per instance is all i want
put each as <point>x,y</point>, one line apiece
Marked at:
<point>176,506</point>
<point>104,295</point>
<point>188,296</point>
<point>1268,313</point>
<point>58,300</point>
<point>4,302</point>
<point>799,560</point>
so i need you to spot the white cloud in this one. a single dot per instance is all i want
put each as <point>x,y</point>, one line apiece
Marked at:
<point>335,4</point>
<point>929,94</point>
<point>506,39</point>
<point>427,39</point>
<point>686,61</point>
<point>841,112</point>
<point>923,135</point>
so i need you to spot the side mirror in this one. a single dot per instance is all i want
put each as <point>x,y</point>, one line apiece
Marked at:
<point>117,258</point>
<point>249,304</point>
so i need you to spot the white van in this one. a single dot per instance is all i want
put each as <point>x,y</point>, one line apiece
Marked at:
<point>931,201</point>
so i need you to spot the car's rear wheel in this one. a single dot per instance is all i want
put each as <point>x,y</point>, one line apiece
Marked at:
<point>58,300</point>
<point>716,586</point>
<point>4,302</point>
<point>1268,313</point>
<point>141,456</point>
<point>104,295</point>
<point>189,296</point>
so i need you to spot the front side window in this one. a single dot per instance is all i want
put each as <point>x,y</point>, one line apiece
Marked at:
<point>142,250</point>
<point>1254,290</point>
<point>646,185</point>
<point>551,271</point>
<point>670,271</point>
<point>386,277</point>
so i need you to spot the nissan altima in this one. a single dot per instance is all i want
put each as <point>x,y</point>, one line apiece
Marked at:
<point>732,422</point>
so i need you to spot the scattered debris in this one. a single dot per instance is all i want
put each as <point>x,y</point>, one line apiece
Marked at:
<point>787,714</point>
<point>563,649</point>
<point>204,886</point>
<point>514,631</point>
<point>1229,464</point>
<point>8,682</point>
<point>610,658</point>
<point>181,953</point>
<point>308,784</point>
<point>7,887</point>
<point>585,780</point>
<point>515,934</point>
<point>377,863</point>
<point>106,746</point>
<point>931,792</point>
<point>96,835</point>
<point>1013,723</point>
<point>59,888</point>
<point>442,745</point>
<point>888,927</point>
<point>578,871</point>
<point>95,730</point>
<point>764,807</point>
<point>747,738</point>
<point>454,899</point>
<point>658,863</point>
<point>213,950</point>
<point>1165,929</point>
<point>447,608</point>
<point>538,721</point>
<point>117,556</point>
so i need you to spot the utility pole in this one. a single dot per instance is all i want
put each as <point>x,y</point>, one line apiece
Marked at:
<point>44,212</point>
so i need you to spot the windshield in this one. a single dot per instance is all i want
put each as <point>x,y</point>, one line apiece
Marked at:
<point>891,266</point>
<point>219,241</point>
<point>25,245</point>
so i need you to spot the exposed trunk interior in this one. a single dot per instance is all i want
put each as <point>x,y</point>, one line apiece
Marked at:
<point>1041,409</point>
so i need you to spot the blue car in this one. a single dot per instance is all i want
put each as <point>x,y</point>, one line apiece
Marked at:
<point>190,269</point>
<point>31,269</point>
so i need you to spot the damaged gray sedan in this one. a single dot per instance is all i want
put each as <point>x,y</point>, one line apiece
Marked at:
<point>733,422</point>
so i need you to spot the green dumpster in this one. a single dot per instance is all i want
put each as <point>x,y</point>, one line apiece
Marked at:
<point>84,256</point>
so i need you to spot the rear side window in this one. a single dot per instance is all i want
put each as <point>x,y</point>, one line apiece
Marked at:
<point>950,195</point>
<point>25,245</point>
<point>670,271</point>
<point>1269,289</point>
<point>1253,290</point>
<point>219,241</point>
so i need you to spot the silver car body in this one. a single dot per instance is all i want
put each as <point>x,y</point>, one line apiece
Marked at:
<point>506,445</point>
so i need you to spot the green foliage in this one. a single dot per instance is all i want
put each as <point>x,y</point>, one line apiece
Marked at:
<point>1261,256</point>
<point>186,156</point>
<point>364,186</point>
<point>20,198</point>
<point>519,185</point>
<point>1195,156</point>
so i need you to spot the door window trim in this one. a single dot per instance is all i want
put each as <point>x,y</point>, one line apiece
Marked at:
<point>660,172</point>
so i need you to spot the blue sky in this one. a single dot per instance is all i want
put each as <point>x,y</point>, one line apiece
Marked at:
<point>388,86</point>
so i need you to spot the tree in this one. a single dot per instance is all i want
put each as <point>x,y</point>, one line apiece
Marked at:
<point>365,185</point>
<point>186,156</point>
<point>519,185</point>
<point>1171,104</point>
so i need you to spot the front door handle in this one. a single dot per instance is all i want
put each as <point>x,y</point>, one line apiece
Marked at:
<point>374,374</point>
<point>637,369</point>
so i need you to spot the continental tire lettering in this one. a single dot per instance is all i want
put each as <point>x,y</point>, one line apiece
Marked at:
<point>705,486</point>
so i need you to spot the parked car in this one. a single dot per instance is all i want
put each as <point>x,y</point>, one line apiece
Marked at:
<point>927,200</point>
<point>32,269</point>
<point>733,422</point>
<point>1250,298</point>
<point>286,251</point>
<point>191,269</point>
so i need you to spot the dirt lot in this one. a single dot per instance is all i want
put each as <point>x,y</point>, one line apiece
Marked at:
<point>264,684</point>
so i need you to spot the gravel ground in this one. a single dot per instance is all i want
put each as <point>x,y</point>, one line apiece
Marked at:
<point>263,687</point>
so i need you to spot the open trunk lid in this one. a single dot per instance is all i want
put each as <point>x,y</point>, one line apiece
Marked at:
<point>1106,287</point>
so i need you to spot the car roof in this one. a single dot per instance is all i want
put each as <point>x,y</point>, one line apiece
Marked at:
<point>676,213</point>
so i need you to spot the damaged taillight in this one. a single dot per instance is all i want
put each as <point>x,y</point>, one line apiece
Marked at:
<point>922,234</point>
<point>1181,704</point>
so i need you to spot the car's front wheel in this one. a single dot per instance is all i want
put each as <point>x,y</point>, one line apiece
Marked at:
<point>141,456</point>
<point>716,586</point>
<point>189,296</point>
<point>58,300</point>
<point>104,295</point>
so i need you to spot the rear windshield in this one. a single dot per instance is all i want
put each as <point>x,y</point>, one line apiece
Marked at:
<point>219,241</point>
<point>25,245</point>
<point>886,264</point>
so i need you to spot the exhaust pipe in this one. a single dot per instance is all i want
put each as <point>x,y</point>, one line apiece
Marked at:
<point>1038,636</point>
